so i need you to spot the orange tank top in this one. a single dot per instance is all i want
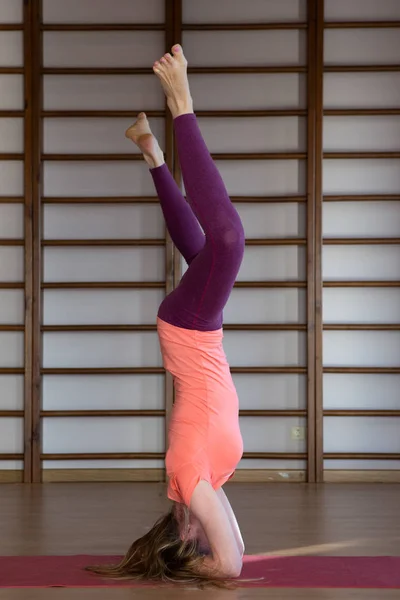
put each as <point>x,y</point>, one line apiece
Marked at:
<point>204,435</point>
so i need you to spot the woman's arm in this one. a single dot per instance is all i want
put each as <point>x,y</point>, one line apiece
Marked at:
<point>232,520</point>
<point>225,559</point>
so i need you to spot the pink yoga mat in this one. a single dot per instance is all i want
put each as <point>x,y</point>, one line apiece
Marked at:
<point>281,572</point>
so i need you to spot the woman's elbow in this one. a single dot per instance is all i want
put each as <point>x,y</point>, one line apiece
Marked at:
<point>232,569</point>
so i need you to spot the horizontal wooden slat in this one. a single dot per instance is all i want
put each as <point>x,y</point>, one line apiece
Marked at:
<point>361,24</point>
<point>361,456</point>
<point>360,155</point>
<point>161,456</point>
<point>157,242</point>
<point>11,70</point>
<point>10,285</point>
<point>138,157</point>
<point>363,370</point>
<point>147,71</point>
<point>149,327</point>
<point>160,371</point>
<point>362,413</point>
<point>104,285</point>
<point>361,68</point>
<point>6,457</point>
<point>360,241</point>
<point>154,413</point>
<point>11,26</point>
<point>363,198</point>
<point>242,26</point>
<point>4,414</point>
<point>11,156</point>
<point>12,114</point>
<point>11,242</point>
<point>106,114</point>
<point>11,200</point>
<point>102,27</point>
<point>361,112</point>
<point>361,284</point>
<point>12,327</point>
<point>363,327</point>
<point>155,200</point>
<point>270,284</point>
<point>11,371</point>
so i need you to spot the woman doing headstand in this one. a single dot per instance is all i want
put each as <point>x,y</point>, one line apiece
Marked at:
<point>199,540</point>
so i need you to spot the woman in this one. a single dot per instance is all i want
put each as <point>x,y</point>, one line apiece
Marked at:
<point>199,540</point>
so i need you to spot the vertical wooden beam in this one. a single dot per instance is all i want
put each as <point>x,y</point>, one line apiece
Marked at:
<point>37,95</point>
<point>28,235</point>
<point>319,111</point>
<point>311,127</point>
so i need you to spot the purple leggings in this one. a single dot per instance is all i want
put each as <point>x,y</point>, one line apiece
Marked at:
<point>214,258</point>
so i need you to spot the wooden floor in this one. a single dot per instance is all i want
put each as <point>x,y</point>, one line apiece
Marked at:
<point>286,519</point>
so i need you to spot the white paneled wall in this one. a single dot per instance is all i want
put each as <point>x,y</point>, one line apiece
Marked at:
<point>12,301</point>
<point>380,306</point>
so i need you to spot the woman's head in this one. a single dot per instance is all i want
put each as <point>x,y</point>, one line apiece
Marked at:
<point>172,551</point>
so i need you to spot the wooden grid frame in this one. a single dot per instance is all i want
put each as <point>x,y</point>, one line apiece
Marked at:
<point>34,156</point>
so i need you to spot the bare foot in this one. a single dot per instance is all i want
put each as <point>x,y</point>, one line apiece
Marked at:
<point>141,135</point>
<point>172,72</point>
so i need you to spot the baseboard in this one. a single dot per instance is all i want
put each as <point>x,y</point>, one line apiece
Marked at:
<point>102,475</point>
<point>269,476</point>
<point>10,476</point>
<point>333,476</point>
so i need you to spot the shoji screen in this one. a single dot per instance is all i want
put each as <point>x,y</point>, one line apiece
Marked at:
<point>361,226</point>
<point>106,263</point>
<point>248,73</point>
<point>15,163</point>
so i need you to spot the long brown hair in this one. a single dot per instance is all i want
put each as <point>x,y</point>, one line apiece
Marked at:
<point>163,555</point>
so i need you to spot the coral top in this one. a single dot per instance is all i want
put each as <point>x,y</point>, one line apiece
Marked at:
<point>204,435</point>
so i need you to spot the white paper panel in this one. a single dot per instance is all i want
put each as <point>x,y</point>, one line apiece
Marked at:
<point>11,465</point>
<point>100,350</point>
<point>11,264</point>
<point>265,348</point>
<point>102,92</point>
<point>118,221</point>
<point>361,46</point>
<point>12,221</point>
<point>97,179</point>
<point>93,136</point>
<point>12,307</point>
<point>11,11</point>
<point>104,392</point>
<point>12,392</point>
<point>101,307</point>
<point>11,92</point>
<point>263,178</point>
<point>102,464</point>
<point>266,306</point>
<point>245,48</point>
<point>361,176</point>
<point>352,134</point>
<point>107,11</point>
<point>235,11</point>
<point>273,263</point>
<point>129,434</point>
<point>247,91</point>
<point>273,220</point>
<point>360,263</point>
<point>271,435</point>
<point>360,305</point>
<point>11,435</point>
<point>11,135</point>
<point>11,48</point>
<point>361,90</point>
<point>362,10</point>
<point>282,465</point>
<point>102,48</point>
<point>275,134</point>
<point>11,178</point>
<point>108,264</point>
<point>268,392</point>
<point>355,219</point>
<point>11,349</point>
<point>361,434</point>
<point>362,465</point>
<point>361,392</point>
<point>362,348</point>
